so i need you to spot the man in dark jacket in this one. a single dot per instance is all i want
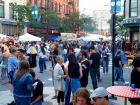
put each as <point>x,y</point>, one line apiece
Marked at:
<point>95,60</point>
<point>85,68</point>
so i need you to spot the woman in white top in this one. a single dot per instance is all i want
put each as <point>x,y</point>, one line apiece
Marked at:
<point>42,59</point>
<point>59,84</point>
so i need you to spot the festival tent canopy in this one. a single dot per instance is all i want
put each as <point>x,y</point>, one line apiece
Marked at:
<point>3,36</point>
<point>94,37</point>
<point>29,37</point>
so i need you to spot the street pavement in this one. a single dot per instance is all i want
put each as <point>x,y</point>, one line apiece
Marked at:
<point>46,77</point>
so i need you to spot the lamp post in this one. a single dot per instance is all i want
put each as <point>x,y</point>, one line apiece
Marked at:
<point>113,32</point>
<point>115,8</point>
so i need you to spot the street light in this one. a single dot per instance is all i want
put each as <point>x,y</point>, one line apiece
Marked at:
<point>115,8</point>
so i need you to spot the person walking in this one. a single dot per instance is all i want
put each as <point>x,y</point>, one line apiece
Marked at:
<point>59,84</point>
<point>74,76</point>
<point>42,59</point>
<point>118,67</point>
<point>85,68</point>
<point>23,84</point>
<point>95,60</point>
<point>32,53</point>
<point>13,64</point>
<point>105,56</point>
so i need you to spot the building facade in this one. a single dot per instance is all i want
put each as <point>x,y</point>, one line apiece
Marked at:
<point>9,27</point>
<point>63,8</point>
<point>132,21</point>
<point>102,17</point>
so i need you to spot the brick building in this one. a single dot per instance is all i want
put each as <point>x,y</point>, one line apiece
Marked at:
<point>63,8</point>
<point>8,26</point>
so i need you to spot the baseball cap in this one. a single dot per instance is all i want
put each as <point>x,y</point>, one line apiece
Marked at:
<point>99,92</point>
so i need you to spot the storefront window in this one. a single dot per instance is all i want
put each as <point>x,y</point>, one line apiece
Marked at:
<point>1,9</point>
<point>133,8</point>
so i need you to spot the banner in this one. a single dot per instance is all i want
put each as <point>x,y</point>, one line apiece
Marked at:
<point>117,6</point>
<point>35,11</point>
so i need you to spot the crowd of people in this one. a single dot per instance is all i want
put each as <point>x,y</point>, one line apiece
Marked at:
<point>72,63</point>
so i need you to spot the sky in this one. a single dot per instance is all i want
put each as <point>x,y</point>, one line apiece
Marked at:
<point>90,5</point>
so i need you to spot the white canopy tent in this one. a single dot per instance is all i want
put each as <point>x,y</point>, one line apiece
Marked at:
<point>94,37</point>
<point>3,36</point>
<point>28,37</point>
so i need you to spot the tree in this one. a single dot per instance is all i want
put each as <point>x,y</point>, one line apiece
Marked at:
<point>87,24</point>
<point>120,29</point>
<point>20,14</point>
<point>75,22</point>
<point>51,18</point>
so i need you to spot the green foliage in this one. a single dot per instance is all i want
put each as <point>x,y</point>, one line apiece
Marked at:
<point>87,23</point>
<point>20,14</point>
<point>72,23</point>
<point>120,29</point>
<point>77,22</point>
<point>51,18</point>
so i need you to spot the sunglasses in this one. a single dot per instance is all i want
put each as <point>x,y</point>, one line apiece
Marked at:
<point>95,98</point>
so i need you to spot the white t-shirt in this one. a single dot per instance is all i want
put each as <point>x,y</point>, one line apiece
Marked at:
<point>41,55</point>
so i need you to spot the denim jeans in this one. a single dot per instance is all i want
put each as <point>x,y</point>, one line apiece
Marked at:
<point>98,74</point>
<point>105,65</point>
<point>118,71</point>
<point>3,73</point>
<point>42,64</point>
<point>93,74</point>
<point>22,100</point>
<point>38,103</point>
<point>71,85</point>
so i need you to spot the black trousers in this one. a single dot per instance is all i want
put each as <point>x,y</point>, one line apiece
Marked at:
<point>60,97</point>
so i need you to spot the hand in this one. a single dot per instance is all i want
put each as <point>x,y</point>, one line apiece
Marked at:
<point>35,84</point>
<point>64,76</point>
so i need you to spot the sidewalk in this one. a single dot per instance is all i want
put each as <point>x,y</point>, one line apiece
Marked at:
<point>6,97</point>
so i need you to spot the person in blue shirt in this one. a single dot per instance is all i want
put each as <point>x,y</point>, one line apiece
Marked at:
<point>23,84</point>
<point>13,64</point>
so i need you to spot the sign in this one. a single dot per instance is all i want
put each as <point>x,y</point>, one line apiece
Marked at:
<point>131,21</point>
<point>115,6</point>
<point>40,31</point>
<point>35,11</point>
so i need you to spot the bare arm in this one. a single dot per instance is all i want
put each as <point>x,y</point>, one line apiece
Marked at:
<point>37,99</point>
<point>80,70</point>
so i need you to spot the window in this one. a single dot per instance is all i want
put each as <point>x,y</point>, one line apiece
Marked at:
<point>1,9</point>
<point>55,7</point>
<point>11,13</point>
<point>59,9</point>
<point>133,8</point>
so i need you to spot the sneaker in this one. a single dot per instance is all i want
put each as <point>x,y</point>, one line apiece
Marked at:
<point>115,83</point>
<point>126,83</point>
